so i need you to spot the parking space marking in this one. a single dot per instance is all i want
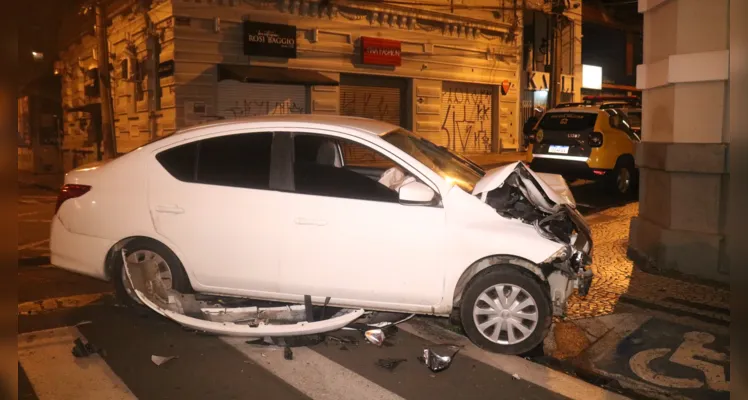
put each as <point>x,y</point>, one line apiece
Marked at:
<point>686,354</point>
<point>312,374</point>
<point>55,373</point>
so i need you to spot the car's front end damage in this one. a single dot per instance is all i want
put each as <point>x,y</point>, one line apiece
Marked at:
<point>545,202</point>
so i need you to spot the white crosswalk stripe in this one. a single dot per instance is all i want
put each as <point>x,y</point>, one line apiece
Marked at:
<point>55,373</point>
<point>313,374</point>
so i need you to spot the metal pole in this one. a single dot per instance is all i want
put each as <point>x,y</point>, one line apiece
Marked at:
<point>105,92</point>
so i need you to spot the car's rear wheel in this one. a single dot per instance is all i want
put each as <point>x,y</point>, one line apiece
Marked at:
<point>622,181</point>
<point>170,273</point>
<point>506,311</point>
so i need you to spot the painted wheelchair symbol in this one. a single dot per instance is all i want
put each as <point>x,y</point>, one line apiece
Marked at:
<point>691,353</point>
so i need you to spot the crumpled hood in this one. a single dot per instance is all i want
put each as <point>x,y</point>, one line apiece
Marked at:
<point>553,185</point>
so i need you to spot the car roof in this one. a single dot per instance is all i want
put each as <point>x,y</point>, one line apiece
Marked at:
<point>364,126</point>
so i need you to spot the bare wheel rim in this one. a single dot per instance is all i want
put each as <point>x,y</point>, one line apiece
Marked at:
<point>505,314</point>
<point>140,256</point>
<point>623,180</point>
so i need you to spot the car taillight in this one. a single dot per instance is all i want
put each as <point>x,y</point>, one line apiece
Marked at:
<point>70,191</point>
<point>595,139</point>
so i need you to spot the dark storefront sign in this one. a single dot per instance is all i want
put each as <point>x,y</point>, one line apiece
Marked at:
<point>378,51</point>
<point>166,69</point>
<point>269,40</point>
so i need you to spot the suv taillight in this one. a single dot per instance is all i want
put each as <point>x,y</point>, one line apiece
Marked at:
<point>70,191</point>
<point>595,139</point>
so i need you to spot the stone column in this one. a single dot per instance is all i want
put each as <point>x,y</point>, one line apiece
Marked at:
<point>685,139</point>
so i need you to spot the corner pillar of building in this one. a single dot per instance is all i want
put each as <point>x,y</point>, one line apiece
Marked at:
<point>683,157</point>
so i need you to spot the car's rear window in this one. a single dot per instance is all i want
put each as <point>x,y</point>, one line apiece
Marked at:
<point>635,118</point>
<point>568,121</point>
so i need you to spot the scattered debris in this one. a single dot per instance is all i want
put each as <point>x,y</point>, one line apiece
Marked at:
<point>83,323</point>
<point>440,359</point>
<point>390,363</point>
<point>287,353</point>
<point>515,376</point>
<point>637,340</point>
<point>81,349</point>
<point>159,360</point>
<point>343,347</point>
<point>375,336</point>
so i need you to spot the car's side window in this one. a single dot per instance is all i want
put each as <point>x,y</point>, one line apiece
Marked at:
<point>241,160</point>
<point>317,171</point>
<point>180,161</point>
<point>355,154</point>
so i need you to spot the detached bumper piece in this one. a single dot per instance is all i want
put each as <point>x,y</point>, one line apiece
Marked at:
<point>284,321</point>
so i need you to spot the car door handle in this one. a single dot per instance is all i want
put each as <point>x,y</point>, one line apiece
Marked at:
<point>306,221</point>
<point>170,209</point>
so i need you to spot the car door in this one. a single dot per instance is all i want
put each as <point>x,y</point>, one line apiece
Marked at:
<point>350,238</point>
<point>212,200</point>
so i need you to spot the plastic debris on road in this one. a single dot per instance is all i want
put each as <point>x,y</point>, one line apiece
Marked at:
<point>375,336</point>
<point>439,358</point>
<point>160,360</point>
<point>287,353</point>
<point>81,349</point>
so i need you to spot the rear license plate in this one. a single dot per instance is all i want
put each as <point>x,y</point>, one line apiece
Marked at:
<point>558,149</point>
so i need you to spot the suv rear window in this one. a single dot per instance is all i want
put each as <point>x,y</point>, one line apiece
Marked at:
<point>568,121</point>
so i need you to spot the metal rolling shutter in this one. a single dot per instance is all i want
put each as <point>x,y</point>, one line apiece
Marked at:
<point>467,126</point>
<point>370,97</point>
<point>238,99</point>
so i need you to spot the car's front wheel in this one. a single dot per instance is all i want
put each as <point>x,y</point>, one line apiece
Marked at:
<point>506,311</point>
<point>170,272</point>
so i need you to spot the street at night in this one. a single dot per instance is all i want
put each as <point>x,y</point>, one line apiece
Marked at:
<point>378,199</point>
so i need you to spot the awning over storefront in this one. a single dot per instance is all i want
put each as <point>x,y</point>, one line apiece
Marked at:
<point>255,74</point>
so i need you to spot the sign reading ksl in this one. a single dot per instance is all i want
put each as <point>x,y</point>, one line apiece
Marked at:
<point>378,51</point>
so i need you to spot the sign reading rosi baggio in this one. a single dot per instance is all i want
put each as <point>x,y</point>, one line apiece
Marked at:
<point>269,40</point>
<point>378,51</point>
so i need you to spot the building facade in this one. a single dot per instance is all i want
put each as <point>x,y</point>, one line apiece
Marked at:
<point>450,72</point>
<point>551,62</point>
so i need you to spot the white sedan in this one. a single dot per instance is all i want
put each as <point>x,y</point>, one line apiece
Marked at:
<point>357,212</point>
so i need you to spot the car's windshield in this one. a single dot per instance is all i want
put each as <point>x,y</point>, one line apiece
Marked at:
<point>439,159</point>
<point>568,121</point>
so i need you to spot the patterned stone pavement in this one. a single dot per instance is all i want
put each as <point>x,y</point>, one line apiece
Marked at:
<point>615,274</point>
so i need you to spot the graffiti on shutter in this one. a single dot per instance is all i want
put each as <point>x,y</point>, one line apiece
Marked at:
<point>466,117</point>
<point>380,103</point>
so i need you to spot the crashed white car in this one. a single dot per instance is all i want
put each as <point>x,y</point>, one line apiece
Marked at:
<point>348,212</point>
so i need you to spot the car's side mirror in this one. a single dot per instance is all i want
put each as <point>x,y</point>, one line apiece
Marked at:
<point>416,193</point>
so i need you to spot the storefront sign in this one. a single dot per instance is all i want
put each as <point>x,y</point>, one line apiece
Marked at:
<point>270,40</point>
<point>377,51</point>
<point>166,69</point>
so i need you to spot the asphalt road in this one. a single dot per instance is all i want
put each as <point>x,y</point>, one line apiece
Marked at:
<point>55,302</point>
